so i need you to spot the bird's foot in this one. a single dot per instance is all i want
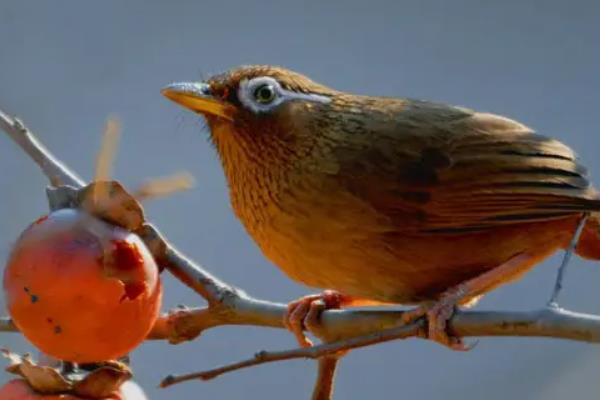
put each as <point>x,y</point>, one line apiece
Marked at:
<point>304,314</point>
<point>437,315</point>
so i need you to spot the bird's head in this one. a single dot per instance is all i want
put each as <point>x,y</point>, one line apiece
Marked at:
<point>257,112</point>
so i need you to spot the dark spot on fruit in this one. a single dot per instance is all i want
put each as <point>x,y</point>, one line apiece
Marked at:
<point>33,297</point>
<point>125,255</point>
<point>57,329</point>
<point>133,290</point>
<point>49,320</point>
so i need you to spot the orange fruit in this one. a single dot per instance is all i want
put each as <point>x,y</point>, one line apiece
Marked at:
<point>80,289</point>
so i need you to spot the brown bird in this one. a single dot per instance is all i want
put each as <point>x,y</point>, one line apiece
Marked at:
<point>389,200</point>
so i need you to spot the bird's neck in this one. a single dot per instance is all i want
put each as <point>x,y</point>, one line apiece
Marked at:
<point>257,174</point>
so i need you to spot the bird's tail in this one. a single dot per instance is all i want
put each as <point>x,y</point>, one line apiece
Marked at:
<point>589,242</point>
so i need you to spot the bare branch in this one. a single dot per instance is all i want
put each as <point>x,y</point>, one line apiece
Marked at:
<point>6,325</point>
<point>206,285</point>
<point>57,173</point>
<point>558,284</point>
<point>325,381</point>
<point>549,322</point>
<point>185,324</point>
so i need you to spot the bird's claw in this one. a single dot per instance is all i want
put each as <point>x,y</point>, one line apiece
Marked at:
<point>437,315</point>
<point>304,314</point>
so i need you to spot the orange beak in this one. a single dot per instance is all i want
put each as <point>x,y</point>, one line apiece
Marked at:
<point>197,97</point>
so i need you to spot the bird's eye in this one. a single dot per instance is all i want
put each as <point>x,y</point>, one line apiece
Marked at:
<point>264,94</point>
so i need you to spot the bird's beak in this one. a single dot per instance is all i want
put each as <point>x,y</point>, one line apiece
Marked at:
<point>197,97</point>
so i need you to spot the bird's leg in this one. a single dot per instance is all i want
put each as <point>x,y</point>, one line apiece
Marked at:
<point>303,313</point>
<point>438,313</point>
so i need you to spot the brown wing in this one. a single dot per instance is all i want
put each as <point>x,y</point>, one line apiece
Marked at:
<point>444,169</point>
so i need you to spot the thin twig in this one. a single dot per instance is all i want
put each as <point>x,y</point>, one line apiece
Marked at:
<point>558,284</point>
<point>57,173</point>
<point>325,382</point>
<point>549,322</point>
<point>198,279</point>
<point>6,325</point>
<point>313,352</point>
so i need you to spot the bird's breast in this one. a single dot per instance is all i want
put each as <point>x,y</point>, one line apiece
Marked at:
<point>323,237</point>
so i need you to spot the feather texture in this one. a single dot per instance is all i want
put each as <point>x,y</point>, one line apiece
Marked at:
<point>472,172</point>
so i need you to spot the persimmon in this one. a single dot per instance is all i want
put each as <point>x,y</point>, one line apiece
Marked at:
<point>19,389</point>
<point>80,289</point>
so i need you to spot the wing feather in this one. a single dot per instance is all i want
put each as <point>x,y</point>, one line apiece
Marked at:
<point>469,173</point>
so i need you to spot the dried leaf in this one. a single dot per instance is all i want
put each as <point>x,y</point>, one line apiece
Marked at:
<point>14,358</point>
<point>118,208</point>
<point>41,379</point>
<point>103,381</point>
<point>100,383</point>
<point>44,379</point>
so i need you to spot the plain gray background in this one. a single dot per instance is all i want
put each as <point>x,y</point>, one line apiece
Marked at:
<point>66,65</point>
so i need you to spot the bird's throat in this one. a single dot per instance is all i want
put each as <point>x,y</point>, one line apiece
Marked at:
<point>256,173</point>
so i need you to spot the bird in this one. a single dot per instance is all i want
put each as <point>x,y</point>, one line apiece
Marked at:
<point>385,200</point>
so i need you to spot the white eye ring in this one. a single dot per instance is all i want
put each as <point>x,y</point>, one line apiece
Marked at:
<point>248,90</point>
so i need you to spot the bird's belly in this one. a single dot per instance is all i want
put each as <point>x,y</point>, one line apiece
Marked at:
<point>352,268</point>
<point>397,268</point>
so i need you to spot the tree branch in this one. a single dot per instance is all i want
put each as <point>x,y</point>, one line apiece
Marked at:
<point>57,173</point>
<point>325,381</point>
<point>6,325</point>
<point>547,322</point>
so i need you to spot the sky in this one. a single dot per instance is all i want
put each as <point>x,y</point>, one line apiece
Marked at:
<point>65,66</point>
